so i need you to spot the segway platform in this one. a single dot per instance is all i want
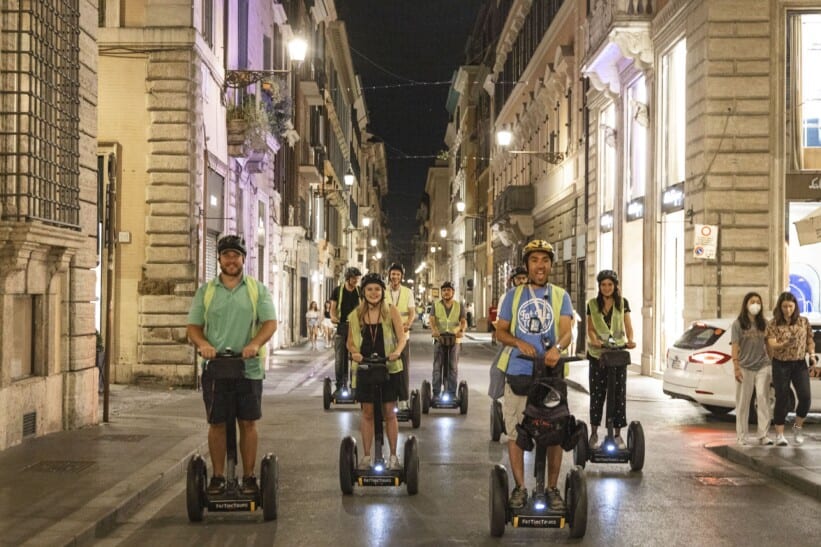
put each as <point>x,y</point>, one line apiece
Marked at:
<point>378,474</point>
<point>413,413</point>
<point>345,395</point>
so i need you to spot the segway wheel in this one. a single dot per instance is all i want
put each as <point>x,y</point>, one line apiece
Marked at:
<point>635,444</point>
<point>426,396</point>
<point>463,398</point>
<point>195,496</point>
<point>496,420</point>
<point>575,495</point>
<point>411,462</point>
<point>498,500</point>
<point>347,465</point>
<point>269,470</point>
<point>326,394</point>
<point>581,451</point>
<point>415,409</point>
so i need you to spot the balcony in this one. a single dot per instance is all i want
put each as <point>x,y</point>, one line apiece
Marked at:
<point>617,30</point>
<point>312,82</point>
<point>513,214</point>
<point>311,165</point>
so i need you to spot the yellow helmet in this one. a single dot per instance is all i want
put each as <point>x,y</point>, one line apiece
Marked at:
<point>538,245</point>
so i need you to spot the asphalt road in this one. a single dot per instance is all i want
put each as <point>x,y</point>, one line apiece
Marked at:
<point>685,495</point>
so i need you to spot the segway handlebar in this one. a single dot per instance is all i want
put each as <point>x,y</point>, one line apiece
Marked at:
<point>373,360</point>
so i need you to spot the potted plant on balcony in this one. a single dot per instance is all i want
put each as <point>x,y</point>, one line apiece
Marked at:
<point>247,125</point>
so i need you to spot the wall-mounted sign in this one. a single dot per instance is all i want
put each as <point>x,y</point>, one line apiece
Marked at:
<point>705,241</point>
<point>635,209</point>
<point>805,185</point>
<point>672,199</point>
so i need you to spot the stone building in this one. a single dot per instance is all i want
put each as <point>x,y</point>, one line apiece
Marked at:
<point>48,228</point>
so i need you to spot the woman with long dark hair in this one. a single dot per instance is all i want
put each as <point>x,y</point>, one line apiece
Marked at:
<point>752,368</point>
<point>608,317</point>
<point>789,337</point>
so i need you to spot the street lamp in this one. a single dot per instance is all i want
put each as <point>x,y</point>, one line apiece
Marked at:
<point>366,221</point>
<point>460,206</point>
<point>297,48</point>
<point>504,137</point>
<point>349,177</point>
<point>443,232</point>
<point>373,242</point>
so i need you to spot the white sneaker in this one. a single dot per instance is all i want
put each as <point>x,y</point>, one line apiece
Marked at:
<point>781,441</point>
<point>765,441</point>
<point>364,463</point>
<point>741,441</point>
<point>798,435</point>
<point>393,463</point>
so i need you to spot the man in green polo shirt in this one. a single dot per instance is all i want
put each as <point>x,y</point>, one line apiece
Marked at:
<point>233,311</point>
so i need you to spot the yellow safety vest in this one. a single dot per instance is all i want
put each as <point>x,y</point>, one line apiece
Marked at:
<point>443,320</point>
<point>404,300</point>
<point>556,299</point>
<point>616,328</point>
<point>387,335</point>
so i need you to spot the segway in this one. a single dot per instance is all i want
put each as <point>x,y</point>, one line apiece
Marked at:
<point>536,513</point>
<point>379,473</point>
<point>227,368</point>
<point>346,395</point>
<point>413,413</point>
<point>445,399</point>
<point>613,358</point>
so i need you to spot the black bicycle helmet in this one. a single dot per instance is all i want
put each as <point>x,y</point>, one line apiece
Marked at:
<point>352,272</point>
<point>538,245</point>
<point>231,243</point>
<point>447,285</point>
<point>396,266</point>
<point>608,274</point>
<point>518,270</point>
<point>370,279</point>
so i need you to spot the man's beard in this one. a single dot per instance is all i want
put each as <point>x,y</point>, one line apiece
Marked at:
<point>229,274</point>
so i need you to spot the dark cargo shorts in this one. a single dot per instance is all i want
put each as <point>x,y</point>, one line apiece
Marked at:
<point>246,394</point>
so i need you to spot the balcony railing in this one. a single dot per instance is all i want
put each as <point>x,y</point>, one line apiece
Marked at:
<point>605,15</point>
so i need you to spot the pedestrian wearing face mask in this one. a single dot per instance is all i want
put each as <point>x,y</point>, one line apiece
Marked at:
<point>752,368</point>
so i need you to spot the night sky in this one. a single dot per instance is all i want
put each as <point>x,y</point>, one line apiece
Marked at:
<point>405,46</point>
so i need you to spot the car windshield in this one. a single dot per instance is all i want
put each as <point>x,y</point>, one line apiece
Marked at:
<point>699,336</point>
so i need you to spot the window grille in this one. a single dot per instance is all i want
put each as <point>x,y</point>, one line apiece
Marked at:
<point>39,112</point>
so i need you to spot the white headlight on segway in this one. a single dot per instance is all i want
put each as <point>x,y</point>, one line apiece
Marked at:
<point>378,468</point>
<point>539,505</point>
<point>344,392</point>
<point>446,397</point>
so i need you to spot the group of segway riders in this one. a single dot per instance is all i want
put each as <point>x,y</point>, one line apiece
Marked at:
<point>232,317</point>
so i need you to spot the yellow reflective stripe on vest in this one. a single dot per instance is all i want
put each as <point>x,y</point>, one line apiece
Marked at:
<point>556,299</point>
<point>252,286</point>
<point>616,328</point>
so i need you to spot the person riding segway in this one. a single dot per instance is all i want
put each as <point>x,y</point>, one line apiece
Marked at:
<point>409,406</point>
<point>344,300</point>
<point>376,331</point>
<point>231,311</point>
<point>447,325</point>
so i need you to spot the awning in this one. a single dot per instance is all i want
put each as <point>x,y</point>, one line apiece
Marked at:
<point>809,228</point>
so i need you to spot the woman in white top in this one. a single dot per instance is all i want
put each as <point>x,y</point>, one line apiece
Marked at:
<point>312,318</point>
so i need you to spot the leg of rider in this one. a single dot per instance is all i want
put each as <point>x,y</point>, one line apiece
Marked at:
<point>391,425</point>
<point>554,465</point>
<point>597,382</point>
<point>217,448</point>
<point>248,440</point>
<point>453,374</point>
<point>517,462</point>
<point>366,428</point>
<point>340,353</point>
<point>437,368</point>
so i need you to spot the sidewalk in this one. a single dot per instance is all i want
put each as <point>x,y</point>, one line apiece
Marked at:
<point>69,487</point>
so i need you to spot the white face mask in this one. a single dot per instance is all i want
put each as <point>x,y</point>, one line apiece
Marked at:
<point>754,308</point>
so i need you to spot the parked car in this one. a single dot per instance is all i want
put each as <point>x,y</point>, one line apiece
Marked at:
<point>700,367</point>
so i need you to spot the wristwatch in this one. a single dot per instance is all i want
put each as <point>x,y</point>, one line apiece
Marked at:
<point>559,347</point>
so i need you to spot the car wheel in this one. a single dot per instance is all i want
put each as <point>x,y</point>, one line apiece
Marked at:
<point>717,410</point>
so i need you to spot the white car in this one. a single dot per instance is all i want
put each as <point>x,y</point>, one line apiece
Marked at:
<point>700,367</point>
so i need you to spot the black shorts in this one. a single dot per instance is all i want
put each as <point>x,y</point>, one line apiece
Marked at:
<point>245,394</point>
<point>390,390</point>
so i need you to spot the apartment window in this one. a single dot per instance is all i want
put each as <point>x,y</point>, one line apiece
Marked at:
<point>804,89</point>
<point>267,52</point>
<point>607,157</point>
<point>637,123</point>
<point>673,106</point>
<point>208,22</point>
<point>21,364</point>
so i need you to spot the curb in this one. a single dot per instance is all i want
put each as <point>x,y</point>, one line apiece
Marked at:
<point>794,476</point>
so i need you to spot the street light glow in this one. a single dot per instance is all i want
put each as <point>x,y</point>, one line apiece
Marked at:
<point>504,137</point>
<point>297,48</point>
<point>366,221</point>
<point>460,206</point>
<point>443,233</point>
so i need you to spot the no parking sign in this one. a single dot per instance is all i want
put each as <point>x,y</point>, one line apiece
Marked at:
<point>705,241</point>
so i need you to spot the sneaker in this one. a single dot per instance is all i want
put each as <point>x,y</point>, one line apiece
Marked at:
<point>554,500</point>
<point>798,435</point>
<point>781,441</point>
<point>393,463</point>
<point>365,463</point>
<point>402,405</point>
<point>249,486</point>
<point>741,441</point>
<point>216,486</point>
<point>765,441</point>
<point>620,444</point>
<point>594,441</point>
<point>518,497</point>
